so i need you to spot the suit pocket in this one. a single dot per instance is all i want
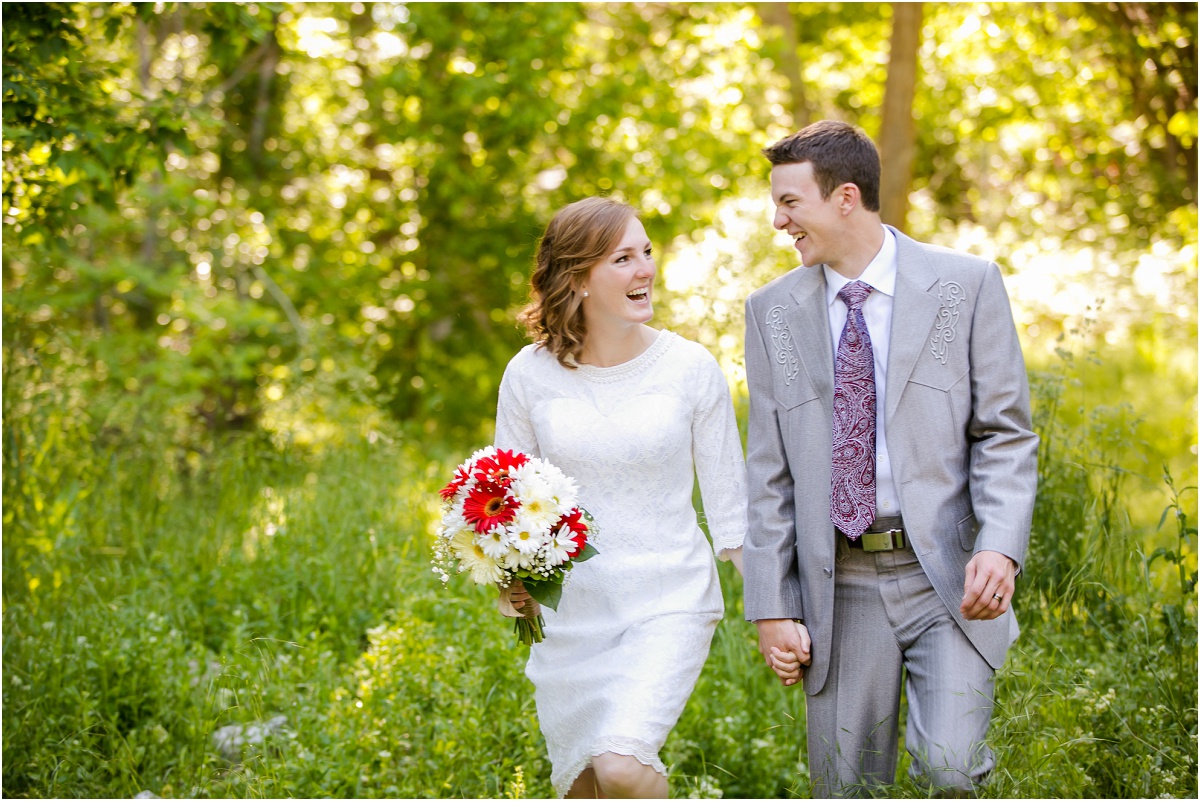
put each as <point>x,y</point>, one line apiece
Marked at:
<point>944,392</point>
<point>799,391</point>
<point>968,530</point>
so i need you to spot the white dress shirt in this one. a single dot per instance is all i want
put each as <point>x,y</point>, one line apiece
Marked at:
<point>877,311</point>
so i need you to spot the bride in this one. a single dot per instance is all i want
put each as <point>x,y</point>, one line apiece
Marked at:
<point>629,412</point>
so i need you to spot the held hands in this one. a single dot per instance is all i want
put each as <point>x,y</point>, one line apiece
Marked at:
<point>513,600</point>
<point>786,647</point>
<point>989,587</point>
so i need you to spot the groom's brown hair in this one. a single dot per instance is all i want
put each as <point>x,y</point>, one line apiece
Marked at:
<point>839,153</point>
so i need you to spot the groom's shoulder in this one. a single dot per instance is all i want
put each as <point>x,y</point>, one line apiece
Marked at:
<point>779,286</point>
<point>941,256</point>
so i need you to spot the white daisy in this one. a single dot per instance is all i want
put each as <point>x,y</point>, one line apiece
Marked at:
<point>515,560</point>
<point>471,556</point>
<point>490,450</point>
<point>462,542</point>
<point>527,533</point>
<point>538,505</point>
<point>494,543</point>
<point>452,521</point>
<point>562,490</point>
<point>559,549</point>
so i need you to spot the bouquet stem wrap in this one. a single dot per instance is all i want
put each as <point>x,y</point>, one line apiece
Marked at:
<point>530,626</point>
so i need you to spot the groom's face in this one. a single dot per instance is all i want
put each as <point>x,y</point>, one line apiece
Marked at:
<point>817,225</point>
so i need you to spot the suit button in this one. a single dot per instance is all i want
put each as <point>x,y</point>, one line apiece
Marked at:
<point>828,572</point>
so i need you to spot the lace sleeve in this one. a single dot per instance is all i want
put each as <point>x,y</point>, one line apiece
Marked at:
<point>720,466</point>
<point>514,431</point>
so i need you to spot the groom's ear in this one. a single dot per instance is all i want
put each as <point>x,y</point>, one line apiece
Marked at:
<point>848,198</point>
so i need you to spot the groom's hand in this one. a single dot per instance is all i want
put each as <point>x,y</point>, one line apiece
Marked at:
<point>989,586</point>
<point>786,647</point>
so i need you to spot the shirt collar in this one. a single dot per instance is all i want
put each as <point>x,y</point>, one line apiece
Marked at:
<point>880,273</point>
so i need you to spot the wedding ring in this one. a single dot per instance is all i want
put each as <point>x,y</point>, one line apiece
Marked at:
<point>999,598</point>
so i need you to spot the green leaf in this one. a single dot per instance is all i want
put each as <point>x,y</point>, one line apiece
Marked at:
<point>547,592</point>
<point>588,552</point>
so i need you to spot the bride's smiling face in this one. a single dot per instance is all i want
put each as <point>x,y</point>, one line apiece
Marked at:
<point>620,286</point>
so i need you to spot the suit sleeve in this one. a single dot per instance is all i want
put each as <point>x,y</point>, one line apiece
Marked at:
<point>772,578</point>
<point>1003,446</point>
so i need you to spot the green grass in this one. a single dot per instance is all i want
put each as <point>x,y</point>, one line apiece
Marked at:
<point>153,595</point>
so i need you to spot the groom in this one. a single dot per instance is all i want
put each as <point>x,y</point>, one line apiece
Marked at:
<point>892,474</point>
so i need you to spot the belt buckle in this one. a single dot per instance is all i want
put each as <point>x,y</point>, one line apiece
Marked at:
<point>875,541</point>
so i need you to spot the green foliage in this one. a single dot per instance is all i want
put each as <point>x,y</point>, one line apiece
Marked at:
<point>239,237</point>
<point>222,205</point>
<point>1047,123</point>
<point>148,605</point>
<point>66,145</point>
<point>740,736</point>
<point>1074,722</point>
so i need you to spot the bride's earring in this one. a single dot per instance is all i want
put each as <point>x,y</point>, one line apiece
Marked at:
<point>585,293</point>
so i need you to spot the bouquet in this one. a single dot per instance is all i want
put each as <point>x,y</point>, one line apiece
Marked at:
<point>510,516</point>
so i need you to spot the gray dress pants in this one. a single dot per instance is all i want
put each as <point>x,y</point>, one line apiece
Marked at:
<point>890,625</point>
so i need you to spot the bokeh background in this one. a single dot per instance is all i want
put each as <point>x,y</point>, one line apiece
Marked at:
<point>261,266</point>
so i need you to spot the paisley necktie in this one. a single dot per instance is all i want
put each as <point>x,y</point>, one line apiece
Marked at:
<point>852,499</point>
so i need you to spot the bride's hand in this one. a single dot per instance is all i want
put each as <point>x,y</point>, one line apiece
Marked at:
<point>735,556</point>
<point>513,599</point>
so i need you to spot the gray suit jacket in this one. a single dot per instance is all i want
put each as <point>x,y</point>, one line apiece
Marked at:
<point>963,454</point>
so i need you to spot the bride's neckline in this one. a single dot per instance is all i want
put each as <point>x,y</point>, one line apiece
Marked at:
<point>661,341</point>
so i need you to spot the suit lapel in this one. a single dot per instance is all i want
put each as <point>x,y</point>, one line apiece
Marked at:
<point>914,313</point>
<point>809,320</point>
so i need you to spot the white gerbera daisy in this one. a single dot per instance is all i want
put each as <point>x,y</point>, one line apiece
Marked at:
<point>562,491</point>
<point>471,556</point>
<point>494,542</point>
<point>515,560</point>
<point>452,520</point>
<point>538,505</point>
<point>490,450</point>
<point>559,549</point>
<point>486,570</point>
<point>462,542</point>
<point>527,533</point>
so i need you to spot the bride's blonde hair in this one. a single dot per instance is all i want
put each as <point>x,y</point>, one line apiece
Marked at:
<point>580,235</point>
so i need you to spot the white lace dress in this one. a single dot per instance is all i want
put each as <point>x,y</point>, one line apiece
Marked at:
<point>633,628</point>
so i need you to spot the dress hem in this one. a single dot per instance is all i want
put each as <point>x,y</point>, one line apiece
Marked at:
<point>625,746</point>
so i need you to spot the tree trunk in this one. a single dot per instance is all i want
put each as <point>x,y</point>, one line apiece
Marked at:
<point>897,135</point>
<point>262,104</point>
<point>789,59</point>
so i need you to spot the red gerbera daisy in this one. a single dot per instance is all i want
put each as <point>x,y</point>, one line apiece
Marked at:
<point>496,468</point>
<point>488,506</point>
<point>461,476</point>
<point>574,521</point>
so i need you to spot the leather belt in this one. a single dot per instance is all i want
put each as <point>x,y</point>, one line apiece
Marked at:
<point>885,534</point>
